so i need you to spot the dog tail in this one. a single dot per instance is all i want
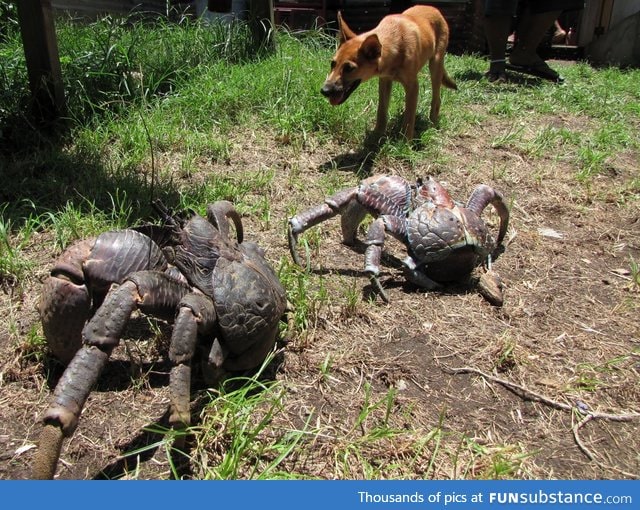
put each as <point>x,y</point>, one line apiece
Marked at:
<point>448,82</point>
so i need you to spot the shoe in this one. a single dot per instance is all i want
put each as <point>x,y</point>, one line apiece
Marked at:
<point>525,62</point>
<point>493,77</point>
<point>539,68</point>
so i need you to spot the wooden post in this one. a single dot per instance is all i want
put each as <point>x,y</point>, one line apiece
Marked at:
<point>41,53</point>
<point>262,23</point>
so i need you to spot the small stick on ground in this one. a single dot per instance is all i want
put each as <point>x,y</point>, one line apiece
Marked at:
<point>588,452</point>
<point>528,394</point>
<point>579,442</point>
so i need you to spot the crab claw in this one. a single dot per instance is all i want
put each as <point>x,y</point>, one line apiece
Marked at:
<point>65,303</point>
<point>484,195</point>
<point>219,214</point>
<point>490,286</point>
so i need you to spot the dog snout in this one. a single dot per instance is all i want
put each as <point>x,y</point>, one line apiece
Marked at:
<point>328,89</point>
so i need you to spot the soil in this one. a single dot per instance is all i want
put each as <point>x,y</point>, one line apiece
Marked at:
<point>567,336</point>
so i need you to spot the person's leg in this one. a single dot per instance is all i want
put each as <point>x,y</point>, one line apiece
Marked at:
<point>497,26</point>
<point>531,30</point>
<point>497,29</point>
<point>559,34</point>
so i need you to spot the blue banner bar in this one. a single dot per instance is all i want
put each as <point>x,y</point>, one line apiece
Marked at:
<point>321,495</point>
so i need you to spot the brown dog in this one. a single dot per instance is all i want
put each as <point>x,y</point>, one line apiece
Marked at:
<point>395,50</point>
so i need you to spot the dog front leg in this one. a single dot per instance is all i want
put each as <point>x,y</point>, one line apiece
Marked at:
<point>384,96</point>
<point>410,107</point>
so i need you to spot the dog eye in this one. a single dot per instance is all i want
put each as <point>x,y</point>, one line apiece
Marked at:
<point>347,68</point>
<point>333,64</point>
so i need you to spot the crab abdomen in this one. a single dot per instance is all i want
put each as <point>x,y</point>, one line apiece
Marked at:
<point>81,278</point>
<point>119,253</point>
<point>385,195</point>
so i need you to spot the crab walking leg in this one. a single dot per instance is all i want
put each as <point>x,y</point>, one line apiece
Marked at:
<point>373,254</point>
<point>344,203</point>
<point>151,292</point>
<point>61,418</point>
<point>196,315</point>
<point>375,244</point>
<point>417,277</point>
<point>484,195</point>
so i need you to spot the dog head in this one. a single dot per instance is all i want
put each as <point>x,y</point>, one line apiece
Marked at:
<point>355,61</point>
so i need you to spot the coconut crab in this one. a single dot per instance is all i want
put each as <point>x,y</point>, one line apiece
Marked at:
<point>445,241</point>
<point>220,293</point>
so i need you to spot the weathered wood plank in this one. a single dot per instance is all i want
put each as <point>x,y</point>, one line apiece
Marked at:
<point>43,62</point>
<point>261,22</point>
<point>95,8</point>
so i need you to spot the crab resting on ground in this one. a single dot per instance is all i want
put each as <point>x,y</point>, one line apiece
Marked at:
<point>445,241</point>
<point>221,294</point>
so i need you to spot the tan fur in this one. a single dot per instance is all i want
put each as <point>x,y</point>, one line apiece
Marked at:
<point>395,50</point>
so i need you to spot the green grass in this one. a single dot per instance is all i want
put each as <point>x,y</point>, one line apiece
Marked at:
<point>590,377</point>
<point>184,93</point>
<point>307,297</point>
<point>198,83</point>
<point>634,270</point>
<point>496,462</point>
<point>227,439</point>
<point>13,266</point>
<point>232,423</point>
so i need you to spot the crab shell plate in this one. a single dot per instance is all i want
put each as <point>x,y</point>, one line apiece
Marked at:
<point>249,301</point>
<point>450,241</point>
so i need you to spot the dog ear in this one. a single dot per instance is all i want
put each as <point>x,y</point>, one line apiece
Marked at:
<point>371,48</point>
<point>344,32</point>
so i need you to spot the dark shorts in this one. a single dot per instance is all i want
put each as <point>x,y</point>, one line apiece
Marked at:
<point>510,7</point>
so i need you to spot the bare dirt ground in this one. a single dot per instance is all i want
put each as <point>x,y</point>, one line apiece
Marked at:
<point>568,334</point>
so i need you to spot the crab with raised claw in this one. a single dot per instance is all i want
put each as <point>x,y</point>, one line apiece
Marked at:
<point>445,241</point>
<point>220,292</point>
